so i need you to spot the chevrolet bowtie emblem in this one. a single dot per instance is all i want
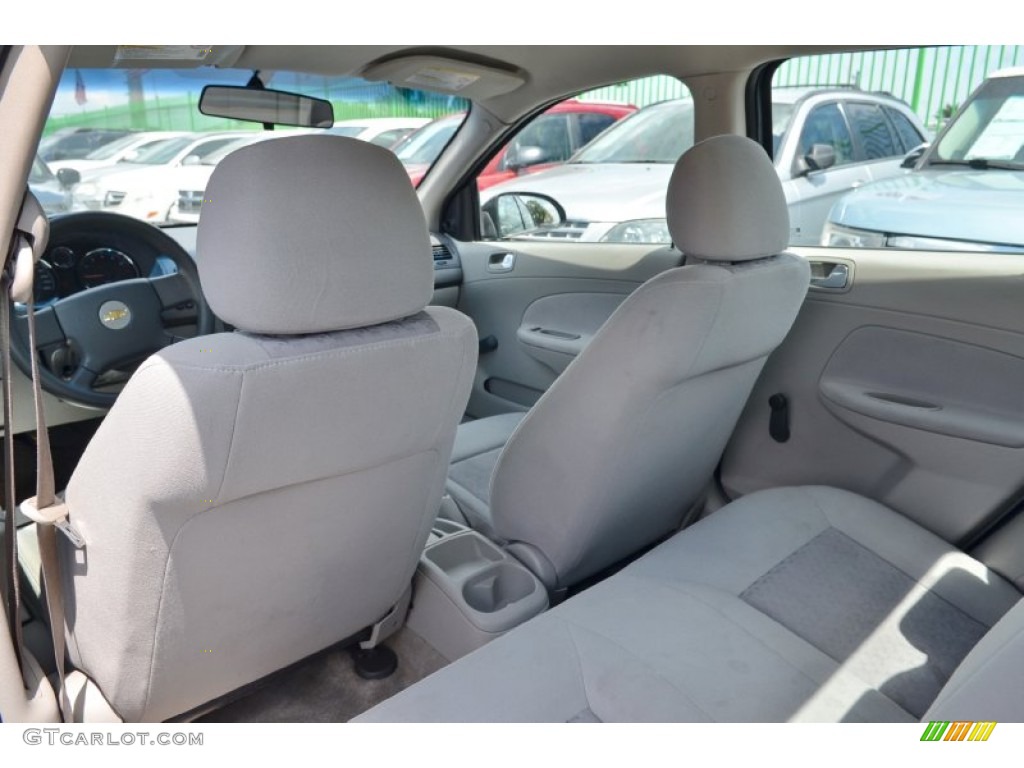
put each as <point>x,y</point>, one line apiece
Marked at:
<point>115,315</point>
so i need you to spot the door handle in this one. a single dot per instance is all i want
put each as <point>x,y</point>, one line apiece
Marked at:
<point>501,262</point>
<point>830,275</point>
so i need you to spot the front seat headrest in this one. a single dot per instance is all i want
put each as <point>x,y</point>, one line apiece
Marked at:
<point>308,234</point>
<point>725,202</point>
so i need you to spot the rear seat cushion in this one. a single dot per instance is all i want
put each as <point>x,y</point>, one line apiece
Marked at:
<point>790,604</point>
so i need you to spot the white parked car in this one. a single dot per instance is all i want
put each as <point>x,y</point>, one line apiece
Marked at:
<point>382,131</point>
<point>146,188</point>
<point>123,150</point>
<point>191,179</point>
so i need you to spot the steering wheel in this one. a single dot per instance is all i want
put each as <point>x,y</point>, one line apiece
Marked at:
<point>113,325</point>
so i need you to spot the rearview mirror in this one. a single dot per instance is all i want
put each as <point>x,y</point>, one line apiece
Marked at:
<point>261,105</point>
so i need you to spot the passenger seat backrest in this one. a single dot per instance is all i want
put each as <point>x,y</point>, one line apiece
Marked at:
<point>622,444</point>
<point>254,497</point>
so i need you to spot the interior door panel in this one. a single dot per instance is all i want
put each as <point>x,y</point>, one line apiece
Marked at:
<point>907,385</point>
<point>536,305</point>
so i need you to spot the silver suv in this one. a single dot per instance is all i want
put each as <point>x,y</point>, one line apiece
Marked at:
<point>965,193</point>
<point>826,142</point>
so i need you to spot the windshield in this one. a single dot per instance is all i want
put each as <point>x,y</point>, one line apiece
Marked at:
<point>990,130</point>
<point>423,146</point>
<point>163,151</point>
<point>223,151</point>
<point>40,173</point>
<point>347,130</point>
<point>658,134</point>
<point>152,115</point>
<point>114,148</point>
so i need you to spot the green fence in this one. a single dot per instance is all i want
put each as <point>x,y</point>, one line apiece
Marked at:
<point>933,81</point>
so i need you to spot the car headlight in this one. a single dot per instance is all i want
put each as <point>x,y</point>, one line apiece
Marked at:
<point>639,231</point>
<point>847,237</point>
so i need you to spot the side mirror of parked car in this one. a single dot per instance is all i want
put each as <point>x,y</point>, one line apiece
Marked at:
<point>515,213</point>
<point>911,158</point>
<point>524,157</point>
<point>820,157</point>
<point>191,160</point>
<point>68,177</point>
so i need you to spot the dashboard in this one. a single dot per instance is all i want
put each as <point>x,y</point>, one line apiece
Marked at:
<point>86,258</point>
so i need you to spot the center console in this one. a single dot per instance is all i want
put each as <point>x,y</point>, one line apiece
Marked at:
<point>468,591</point>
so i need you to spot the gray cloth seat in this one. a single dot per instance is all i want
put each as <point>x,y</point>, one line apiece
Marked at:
<point>789,604</point>
<point>478,444</point>
<point>621,446</point>
<point>257,496</point>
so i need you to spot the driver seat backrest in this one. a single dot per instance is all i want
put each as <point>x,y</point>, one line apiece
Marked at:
<point>257,496</point>
<point>627,438</point>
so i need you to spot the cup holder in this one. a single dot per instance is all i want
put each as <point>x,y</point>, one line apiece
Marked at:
<point>469,591</point>
<point>498,587</point>
<point>460,555</point>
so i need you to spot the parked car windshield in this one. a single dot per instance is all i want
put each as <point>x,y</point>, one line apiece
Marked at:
<point>782,114</point>
<point>108,151</point>
<point>658,134</point>
<point>990,131</point>
<point>423,146</point>
<point>162,152</point>
<point>40,172</point>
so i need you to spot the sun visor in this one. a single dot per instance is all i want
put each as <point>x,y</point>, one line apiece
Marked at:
<point>154,56</point>
<point>445,75</point>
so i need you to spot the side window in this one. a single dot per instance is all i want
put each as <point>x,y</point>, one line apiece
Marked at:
<point>909,135</point>
<point>872,129</point>
<point>608,155</point>
<point>592,124</point>
<point>826,125</point>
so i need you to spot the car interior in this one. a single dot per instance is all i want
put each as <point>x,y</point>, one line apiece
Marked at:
<point>340,453</point>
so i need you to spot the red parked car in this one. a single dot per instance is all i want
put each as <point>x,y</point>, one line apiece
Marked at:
<point>550,139</point>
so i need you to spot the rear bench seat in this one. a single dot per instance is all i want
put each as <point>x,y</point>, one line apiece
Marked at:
<point>790,604</point>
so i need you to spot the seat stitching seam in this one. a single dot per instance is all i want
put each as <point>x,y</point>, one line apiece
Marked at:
<point>350,351</point>
<point>638,660</point>
<point>567,626</point>
<point>174,541</point>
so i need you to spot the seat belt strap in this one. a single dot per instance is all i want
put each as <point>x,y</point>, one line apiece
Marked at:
<point>12,589</point>
<point>44,508</point>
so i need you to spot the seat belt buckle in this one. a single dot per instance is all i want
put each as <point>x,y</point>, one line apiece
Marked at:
<point>56,515</point>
